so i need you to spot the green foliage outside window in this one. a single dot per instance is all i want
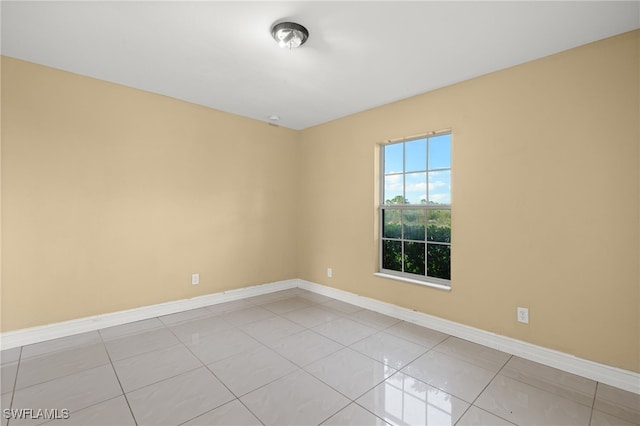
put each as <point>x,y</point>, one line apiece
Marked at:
<point>404,225</point>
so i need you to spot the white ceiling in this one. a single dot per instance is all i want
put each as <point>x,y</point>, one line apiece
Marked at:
<point>359,54</point>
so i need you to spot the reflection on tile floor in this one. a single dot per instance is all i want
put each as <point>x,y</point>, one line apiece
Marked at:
<point>291,358</point>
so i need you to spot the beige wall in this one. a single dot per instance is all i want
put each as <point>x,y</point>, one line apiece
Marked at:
<point>545,194</point>
<point>113,197</point>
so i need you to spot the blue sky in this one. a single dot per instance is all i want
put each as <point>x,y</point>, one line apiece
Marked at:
<point>412,158</point>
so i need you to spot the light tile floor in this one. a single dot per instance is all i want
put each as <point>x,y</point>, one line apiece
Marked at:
<point>292,358</point>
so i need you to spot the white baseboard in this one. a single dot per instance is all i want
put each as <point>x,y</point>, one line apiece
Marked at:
<point>617,377</point>
<point>27,336</point>
<point>623,379</point>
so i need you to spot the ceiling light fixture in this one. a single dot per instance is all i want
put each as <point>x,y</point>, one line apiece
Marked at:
<point>289,34</point>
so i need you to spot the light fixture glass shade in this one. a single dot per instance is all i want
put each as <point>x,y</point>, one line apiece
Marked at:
<point>289,34</point>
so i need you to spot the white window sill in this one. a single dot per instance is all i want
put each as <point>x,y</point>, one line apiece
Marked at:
<point>411,281</point>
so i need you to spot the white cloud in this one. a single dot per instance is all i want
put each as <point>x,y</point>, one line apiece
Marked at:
<point>437,185</point>
<point>442,198</point>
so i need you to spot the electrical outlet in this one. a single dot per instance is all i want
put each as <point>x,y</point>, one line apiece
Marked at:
<point>195,279</point>
<point>523,315</point>
<point>329,272</point>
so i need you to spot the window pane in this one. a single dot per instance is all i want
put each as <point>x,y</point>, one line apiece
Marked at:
<point>391,220</point>
<point>392,255</point>
<point>414,258</point>
<point>393,158</point>
<point>416,188</point>
<point>393,189</point>
<point>413,224</point>
<point>417,178</point>
<point>439,261</point>
<point>440,152</point>
<point>415,155</point>
<point>439,226</point>
<point>440,187</point>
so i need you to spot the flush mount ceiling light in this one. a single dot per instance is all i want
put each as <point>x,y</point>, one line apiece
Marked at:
<point>289,34</point>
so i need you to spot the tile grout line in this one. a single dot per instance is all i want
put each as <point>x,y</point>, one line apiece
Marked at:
<point>302,368</point>
<point>131,333</point>
<point>269,347</point>
<point>217,378</point>
<point>427,349</point>
<point>147,352</point>
<point>432,349</point>
<point>565,397</point>
<point>180,342</point>
<point>64,375</point>
<point>115,373</point>
<point>304,328</point>
<point>411,341</point>
<point>616,416</point>
<point>208,369</point>
<point>398,369</point>
<point>237,327</point>
<point>89,406</point>
<point>298,367</point>
<point>67,375</point>
<point>593,402</point>
<point>15,382</point>
<point>261,386</point>
<point>346,396</point>
<point>249,410</point>
<point>203,365</point>
<point>472,404</point>
<point>369,411</point>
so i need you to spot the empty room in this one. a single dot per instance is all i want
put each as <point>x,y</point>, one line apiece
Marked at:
<point>320,213</point>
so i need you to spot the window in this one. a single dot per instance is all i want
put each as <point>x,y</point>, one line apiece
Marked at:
<point>415,210</point>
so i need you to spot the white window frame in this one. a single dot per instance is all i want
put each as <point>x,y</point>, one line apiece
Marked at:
<point>401,275</point>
